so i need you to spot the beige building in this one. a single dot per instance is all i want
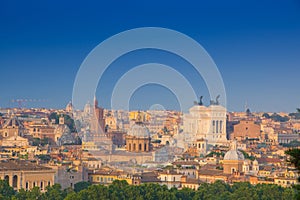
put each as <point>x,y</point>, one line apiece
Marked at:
<point>68,176</point>
<point>12,127</point>
<point>26,175</point>
<point>14,141</point>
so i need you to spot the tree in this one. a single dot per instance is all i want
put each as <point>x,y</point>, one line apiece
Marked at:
<point>22,194</point>
<point>266,115</point>
<point>294,157</point>
<point>54,116</point>
<point>81,186</point>
<point>54,192</point>
<point>6,192</point>
<point>34,193</point>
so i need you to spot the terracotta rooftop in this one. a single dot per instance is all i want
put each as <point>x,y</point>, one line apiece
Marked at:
<point>20,165</point>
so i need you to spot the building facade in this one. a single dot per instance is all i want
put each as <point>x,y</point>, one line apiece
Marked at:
<point>25,175</point>
<point>206,122</point>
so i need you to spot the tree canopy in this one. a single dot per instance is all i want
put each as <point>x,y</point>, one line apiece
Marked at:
<point>121,190</point>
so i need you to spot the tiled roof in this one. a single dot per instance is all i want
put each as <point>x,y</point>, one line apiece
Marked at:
<point>20,165</point>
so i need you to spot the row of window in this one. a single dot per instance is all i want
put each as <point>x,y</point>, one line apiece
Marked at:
<point>217,126</point>
<point>102,179</point>
<point>34,184</point>
<point>40,184</point>
<point>140,147</point>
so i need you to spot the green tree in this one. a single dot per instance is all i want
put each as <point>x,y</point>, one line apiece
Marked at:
<point>54,192</point>
<point>6,192</point>
<point>266,115</point>
<point>21,195</point>
<point>34,193</point>
<point>81,186</point>
<point>294,157</point>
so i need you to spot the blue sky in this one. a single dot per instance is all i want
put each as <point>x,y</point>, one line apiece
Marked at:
<point>255,44</point>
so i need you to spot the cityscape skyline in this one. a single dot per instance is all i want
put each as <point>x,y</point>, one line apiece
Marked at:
<point>255,46</point>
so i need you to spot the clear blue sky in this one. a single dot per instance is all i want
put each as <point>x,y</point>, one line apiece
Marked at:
<point>255,44</point>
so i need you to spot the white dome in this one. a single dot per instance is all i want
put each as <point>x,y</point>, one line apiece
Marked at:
<point>139,130</point>
<point>234,155</point>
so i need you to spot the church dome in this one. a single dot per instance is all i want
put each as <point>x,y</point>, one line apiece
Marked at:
<point>139,130</point>
<point>233,153</point>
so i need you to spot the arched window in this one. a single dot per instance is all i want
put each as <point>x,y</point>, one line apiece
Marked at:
<point>6,178</point>
<point>42,185</point>
<point>129,147</point>
<point>145,147</point>
<point>217,126</point>
<point>134,146</point>
<point>232,170</point>
<point>15,181</point>
<point>140,147</point>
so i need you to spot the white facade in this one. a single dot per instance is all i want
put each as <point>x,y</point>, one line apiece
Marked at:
<point>206,122</point>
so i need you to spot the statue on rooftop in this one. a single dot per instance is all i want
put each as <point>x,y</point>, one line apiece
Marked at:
<point>212,102</point>
<point>200,103</point>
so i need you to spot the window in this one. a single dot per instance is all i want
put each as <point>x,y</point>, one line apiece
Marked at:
<point>49,183</point>
<point>6,178</point>
<point>15,181</point>
<point>27,185</point>
<point>41,185</point>
<point>140,147</point>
